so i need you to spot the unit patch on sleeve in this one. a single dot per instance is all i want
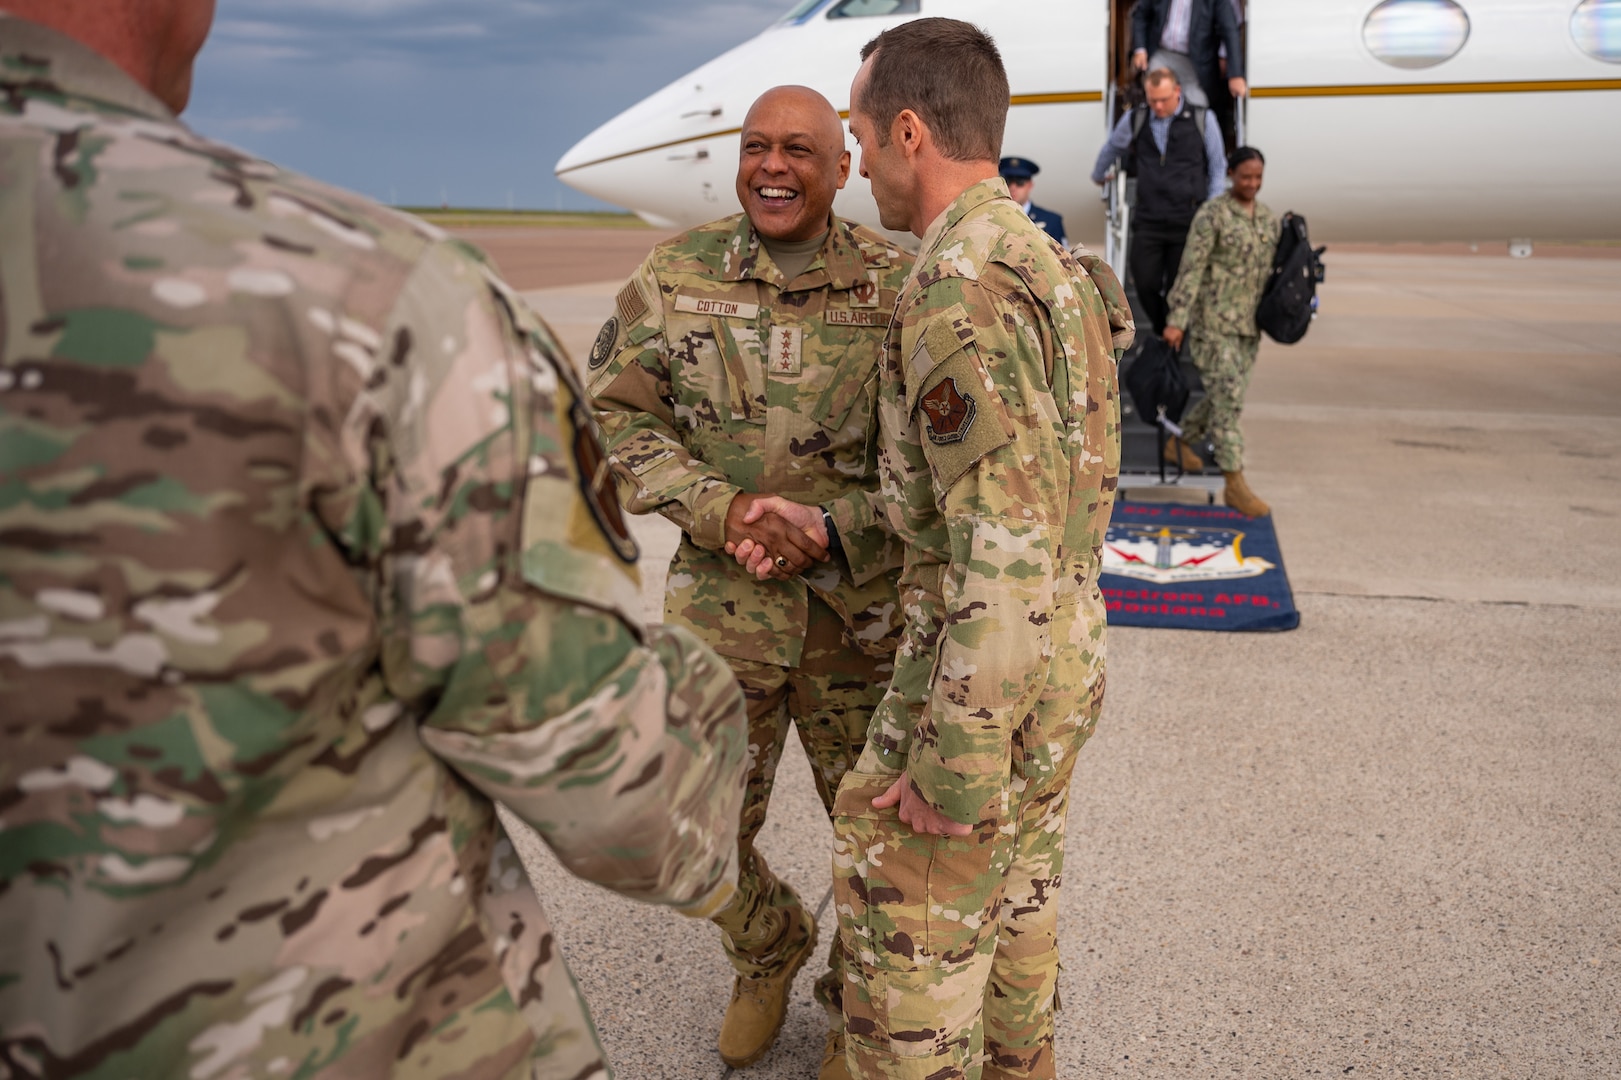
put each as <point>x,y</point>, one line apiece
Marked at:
<point>962,416</point>
<point>603,347</point>
<point>597,484</point>
<point>950,413</point>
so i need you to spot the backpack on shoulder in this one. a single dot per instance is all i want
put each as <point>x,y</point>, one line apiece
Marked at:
<point>1289,300</point>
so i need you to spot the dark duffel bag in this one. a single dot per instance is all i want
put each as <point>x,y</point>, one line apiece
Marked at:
<point>1156,385</point>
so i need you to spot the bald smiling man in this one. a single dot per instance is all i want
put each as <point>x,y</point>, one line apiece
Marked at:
<point>741,362</point>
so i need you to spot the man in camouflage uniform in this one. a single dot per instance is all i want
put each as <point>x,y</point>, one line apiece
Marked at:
<point>741,362</point>
<point>999,426</point>
<point>308,555</point>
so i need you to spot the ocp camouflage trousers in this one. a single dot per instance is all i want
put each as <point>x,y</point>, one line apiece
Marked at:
<point>951,943</point>
<point>1224,364</point>
<point>830,698</point>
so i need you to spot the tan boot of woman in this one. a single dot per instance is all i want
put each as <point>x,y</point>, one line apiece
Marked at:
<point>1239,496</point>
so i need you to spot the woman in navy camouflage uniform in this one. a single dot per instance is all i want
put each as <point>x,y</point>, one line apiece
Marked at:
<point>1224,268</point>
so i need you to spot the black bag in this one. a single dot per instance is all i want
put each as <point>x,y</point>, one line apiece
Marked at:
<point>1154,380</point>
<point>1290,298</point>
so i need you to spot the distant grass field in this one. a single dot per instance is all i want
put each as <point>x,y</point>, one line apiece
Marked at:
<point>472,217</point>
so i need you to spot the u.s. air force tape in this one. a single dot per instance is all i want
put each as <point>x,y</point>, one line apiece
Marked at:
<point>604,345</point>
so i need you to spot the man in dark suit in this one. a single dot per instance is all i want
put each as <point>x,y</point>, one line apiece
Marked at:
<point>1186,36</point>
<point>1020,176</point>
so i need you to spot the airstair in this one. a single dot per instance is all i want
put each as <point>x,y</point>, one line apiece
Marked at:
<point>1142,440</point>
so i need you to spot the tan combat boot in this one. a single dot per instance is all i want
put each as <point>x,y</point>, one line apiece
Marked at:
<point>759,1006</point>
<point>1239,496</point>
<point>834,1067</point>
<point>1177,448</point>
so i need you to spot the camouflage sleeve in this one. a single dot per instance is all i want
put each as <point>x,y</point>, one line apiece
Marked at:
<point>1000,476</point>
<point>1122,324</point>
<point>855,511</point>
<point>860,518</point>
<point>510,586</point>
<point>901,711</point>
<point>1195,262</point>
<point>635,402</point>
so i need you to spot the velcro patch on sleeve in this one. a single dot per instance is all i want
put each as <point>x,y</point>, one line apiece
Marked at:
<point>597,485</point>
<point>943,335</point>
<point>628,326</point>
<point>603,347</point>
<point>961,417</point>
<point>630,304</point>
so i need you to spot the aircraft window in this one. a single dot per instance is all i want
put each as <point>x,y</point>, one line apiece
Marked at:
<point>860,9</point>
<point>802,9</point>
<point>1596,26</point>
<point>1416,33</point>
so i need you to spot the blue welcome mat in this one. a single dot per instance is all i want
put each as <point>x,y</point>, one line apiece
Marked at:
<point>1194,568</point>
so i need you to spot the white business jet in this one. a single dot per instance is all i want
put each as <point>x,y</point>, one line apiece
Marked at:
<point>1424,120</point>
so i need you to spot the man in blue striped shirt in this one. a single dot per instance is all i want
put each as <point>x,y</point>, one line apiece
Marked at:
<point>1176,153</point>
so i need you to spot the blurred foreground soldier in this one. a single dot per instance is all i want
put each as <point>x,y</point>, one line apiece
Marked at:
<point>1224,271</point>
<point>999,420</point>
<point>309,557</point>
<point>1020,176</point>
<point>1176,153</point>
<point>736,383</point>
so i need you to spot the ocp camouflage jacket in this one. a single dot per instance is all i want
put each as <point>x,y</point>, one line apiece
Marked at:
<point>1000,422</point>
<point>303,566</point>
<point>714,376</point>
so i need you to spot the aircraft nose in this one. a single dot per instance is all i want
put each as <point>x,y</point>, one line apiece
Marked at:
<point>607,141</point>
<point>667,139</point>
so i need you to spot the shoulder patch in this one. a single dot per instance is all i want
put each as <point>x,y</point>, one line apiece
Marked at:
<point>949,412</point>
<point>962,416</point>
<point>629,303</point>
<point>603,347</point>
<point>597,483</point>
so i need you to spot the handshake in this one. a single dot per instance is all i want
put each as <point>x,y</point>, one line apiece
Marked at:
<point>773,537</point>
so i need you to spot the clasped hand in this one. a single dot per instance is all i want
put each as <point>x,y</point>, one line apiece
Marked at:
<point>773,537</point>
<point>916,812</point>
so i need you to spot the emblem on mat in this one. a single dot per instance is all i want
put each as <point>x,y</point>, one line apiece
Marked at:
<point>1177,554</point>
<point>603,347</point>
<point>950,414</point>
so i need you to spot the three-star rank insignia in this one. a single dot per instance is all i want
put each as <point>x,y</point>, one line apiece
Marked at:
<point>603,347</point>
<point>950,413</point>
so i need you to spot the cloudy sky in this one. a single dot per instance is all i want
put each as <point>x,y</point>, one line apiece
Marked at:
<point>471,101</point>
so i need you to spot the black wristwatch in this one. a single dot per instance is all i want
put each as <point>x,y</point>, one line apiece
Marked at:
<point>834,545</point>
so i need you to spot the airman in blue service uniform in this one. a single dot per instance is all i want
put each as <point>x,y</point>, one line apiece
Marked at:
<point>1020,176</point>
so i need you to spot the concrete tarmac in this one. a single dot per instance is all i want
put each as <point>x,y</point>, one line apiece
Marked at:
<point>1387,843</point>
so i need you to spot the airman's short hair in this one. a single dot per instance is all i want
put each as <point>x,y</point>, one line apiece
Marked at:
<point>1159,75</point>
<point>947,71</point>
